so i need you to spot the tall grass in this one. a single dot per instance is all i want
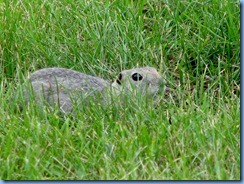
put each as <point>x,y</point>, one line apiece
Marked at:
<point>193,133</point>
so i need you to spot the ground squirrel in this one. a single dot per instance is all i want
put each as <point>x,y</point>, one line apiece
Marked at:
<point>60,85</point>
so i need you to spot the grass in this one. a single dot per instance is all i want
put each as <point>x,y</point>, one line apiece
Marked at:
<point>193,134</point>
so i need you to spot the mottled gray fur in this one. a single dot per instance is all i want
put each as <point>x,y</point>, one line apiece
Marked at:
<point>64,86</point>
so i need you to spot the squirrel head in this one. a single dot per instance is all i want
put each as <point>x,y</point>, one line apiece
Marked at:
<point>144,80</point>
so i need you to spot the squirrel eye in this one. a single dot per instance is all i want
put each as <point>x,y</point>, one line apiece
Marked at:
<point>119,79</point>
<point>137,77</point>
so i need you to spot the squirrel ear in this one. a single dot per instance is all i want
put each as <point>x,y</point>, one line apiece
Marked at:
<point>119,79</point>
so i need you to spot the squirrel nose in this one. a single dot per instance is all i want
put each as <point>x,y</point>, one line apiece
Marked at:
<point>161,81</point>
<point>162,84</point>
